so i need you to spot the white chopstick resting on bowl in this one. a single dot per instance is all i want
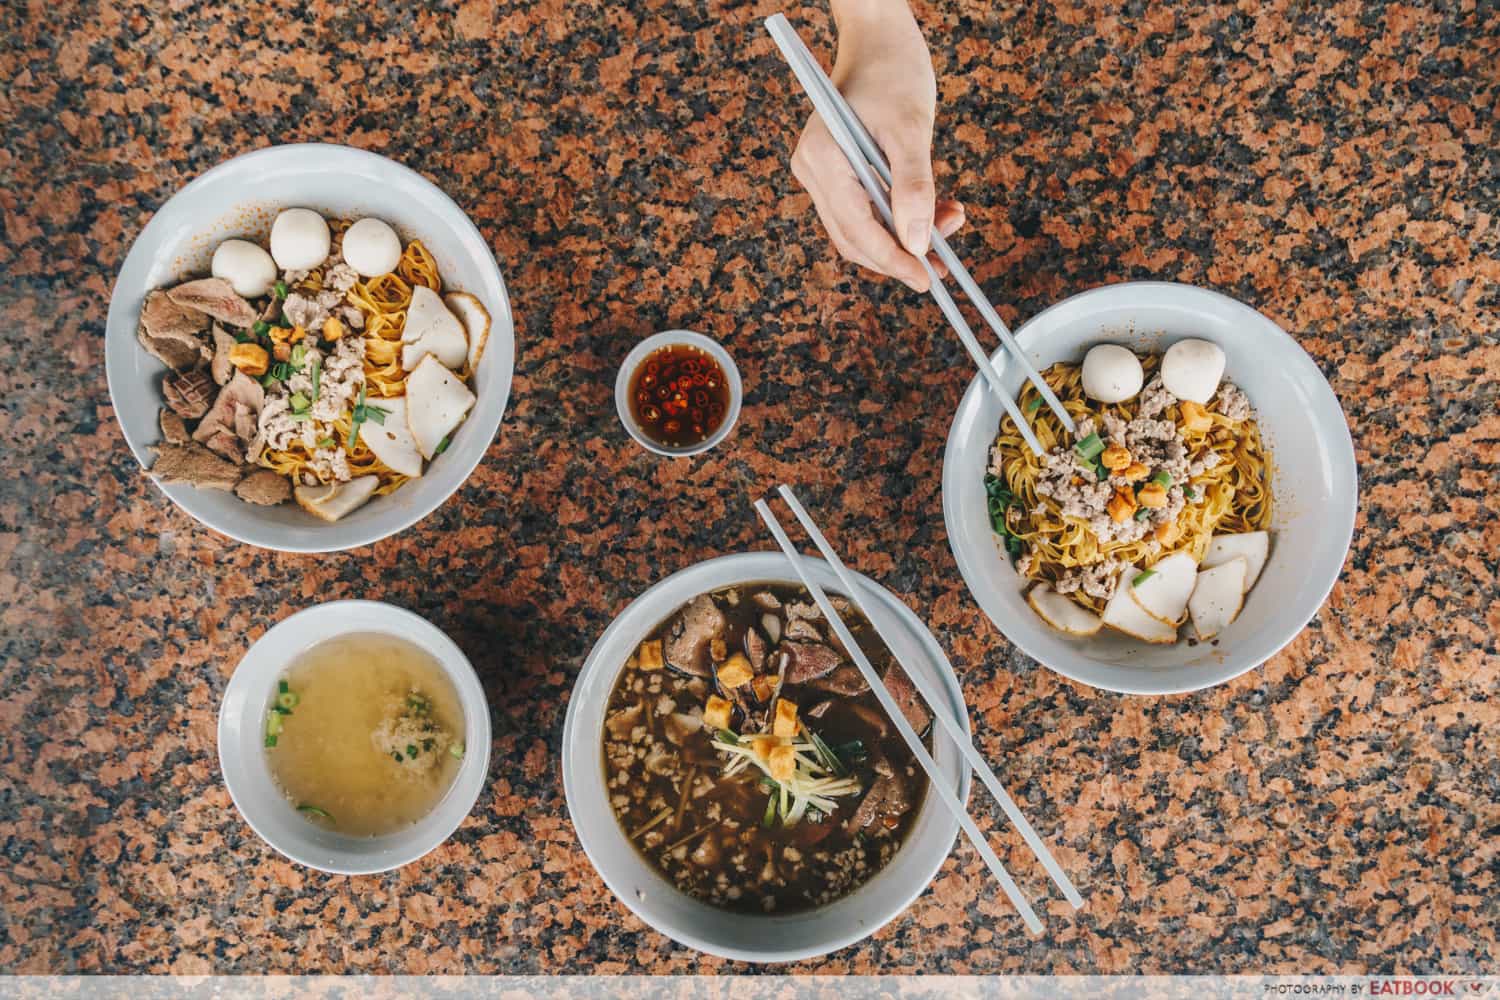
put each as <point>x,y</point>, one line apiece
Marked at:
<point>951,727</point>
<point>893,712</point>
<point>866,160</point>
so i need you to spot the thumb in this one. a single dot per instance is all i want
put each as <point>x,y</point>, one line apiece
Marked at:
<point>912,191</point>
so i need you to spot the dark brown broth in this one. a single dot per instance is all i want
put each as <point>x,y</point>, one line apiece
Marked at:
<point>713,846</point>
<point>678,395</point>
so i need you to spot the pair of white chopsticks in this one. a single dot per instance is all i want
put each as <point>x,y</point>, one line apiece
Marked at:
<point>939,709</point>
<point>867,161</point>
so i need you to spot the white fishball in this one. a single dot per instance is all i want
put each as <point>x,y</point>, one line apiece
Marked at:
<point>1111,373</point>
<point>372,248</point>
<point>246,266</point>
<point>299,239</point>
<point>1191,369</point>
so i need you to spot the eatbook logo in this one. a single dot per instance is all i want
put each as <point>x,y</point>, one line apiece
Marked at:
<point>1475,988</point>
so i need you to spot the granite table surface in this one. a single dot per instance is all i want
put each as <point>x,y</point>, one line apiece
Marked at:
<point>1333,165</point>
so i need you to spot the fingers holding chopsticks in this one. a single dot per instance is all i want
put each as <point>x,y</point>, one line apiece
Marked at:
<point>847,214</point>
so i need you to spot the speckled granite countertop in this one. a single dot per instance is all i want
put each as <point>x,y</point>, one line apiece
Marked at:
<point>1333,165</point>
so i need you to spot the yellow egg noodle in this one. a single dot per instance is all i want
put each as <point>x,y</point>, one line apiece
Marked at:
<point>1234,496</point>
<point>383,302</point>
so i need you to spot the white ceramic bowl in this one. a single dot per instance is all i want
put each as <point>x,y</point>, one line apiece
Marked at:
<point>242,756</point>
<point>1313,483</point>
<point>240,198</point>
<point>750,937</point>
<point>656,342</point>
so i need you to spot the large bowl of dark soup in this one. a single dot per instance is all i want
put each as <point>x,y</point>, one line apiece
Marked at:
<point>354,737</point>
<point>732,778</point>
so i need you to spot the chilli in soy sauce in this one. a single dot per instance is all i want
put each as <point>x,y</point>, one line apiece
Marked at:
<point>678,395</point>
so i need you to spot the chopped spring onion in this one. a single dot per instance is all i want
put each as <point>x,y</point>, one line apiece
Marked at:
<point>456,751</point>
<point>327,443</point>
<point>442,446</point>
<point>314,811</point>
<point>411,751</point>
<point>299,352</point>
<point>396,754</point>
<point>279,710</point>
<point>315,374</point>
<point>417,704</point>
<point>1100,472</point>
<point>1190,493</point>
<point>1034,405</point>
<point>282,687</point>
<point>770,815</point>
<point>358,418</point>
<point>280,289</point>
<point>261,328</point>
<point>288,700</point>
<point>299,402</point>
<point>1163,478</point>
<point>1143,513</point>
<point>1142,577</point>
<point>273,727</point>
<point>241,337</point>
<point>376,414</point>
<point>1090,447</point>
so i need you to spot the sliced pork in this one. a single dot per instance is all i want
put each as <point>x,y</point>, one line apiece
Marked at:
<point>217,298</point>
<point>172,334</point>
<point>229,426</point>
<point>700,622</point>
<point>810,661</point>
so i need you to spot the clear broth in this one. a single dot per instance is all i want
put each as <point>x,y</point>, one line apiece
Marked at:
<point>326,757</point>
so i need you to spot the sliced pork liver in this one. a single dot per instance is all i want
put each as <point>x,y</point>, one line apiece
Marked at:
<point>264,487</point>
<point>195,465</point>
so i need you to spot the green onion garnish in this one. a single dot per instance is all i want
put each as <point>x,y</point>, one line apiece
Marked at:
<point>299,351</point>
<point>315,374</point>
<point>241,337</point>
<point>442,446</point>
<point>281,710</point>
<point>270,740</point>
<point>282,687</point>
<point>1190,493</point>
<point>314,811</point>
<point>280,289</point>
<point>304,415</point>
<point>288,700</point>
<point>273,724</point>
<point>375,414</point>
<point>1090,447</point>
<point>1100,472</point>
<point>359,418</point>
<point>1143,513</point>
<point>261,328</point>
<point>299,402</point>
<point>396,754</point>
<point>1163,478</point>
<point>327,443</point>
<point>1142,577</point>
<point>1034,405</point>
<point>770,816</point>
<point>411,752</point>
<point>456,751</point>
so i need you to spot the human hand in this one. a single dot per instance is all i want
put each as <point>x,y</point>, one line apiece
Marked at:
<point>885,73</point>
